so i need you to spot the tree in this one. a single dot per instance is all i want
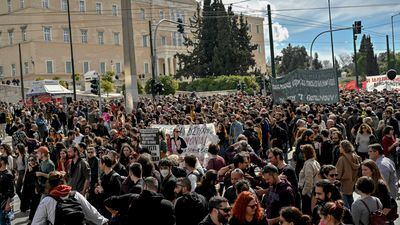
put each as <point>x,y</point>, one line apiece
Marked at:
<point>326,64</point>
<point>367,58</point>
<point>316,64</point>
<point>107,86</point>
<point>245,48</point>
<point>170,85</point>
<point>293,58</point>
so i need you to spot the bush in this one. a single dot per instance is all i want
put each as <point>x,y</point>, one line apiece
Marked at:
<point>139,87</point>
<point>170,85</point>
<point>221,83</point>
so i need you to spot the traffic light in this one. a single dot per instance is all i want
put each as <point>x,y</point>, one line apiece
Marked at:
<point>160,88</point>
<point>180,27</point>
<point>357,27</point>
<point>95,86</point>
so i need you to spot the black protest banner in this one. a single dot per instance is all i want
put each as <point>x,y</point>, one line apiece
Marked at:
<point>307,86</point>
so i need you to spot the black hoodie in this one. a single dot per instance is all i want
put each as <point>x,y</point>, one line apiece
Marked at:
<point>190,209</point>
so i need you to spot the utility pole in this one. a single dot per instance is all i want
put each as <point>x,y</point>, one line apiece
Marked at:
<point>153,60</point>
<point>355,55</point>
<point>333,53</point>
<point>131,91</point>
<point>388,53</point>
<point>72,50</point>
<point>21,73</point>
<point>271,42</point>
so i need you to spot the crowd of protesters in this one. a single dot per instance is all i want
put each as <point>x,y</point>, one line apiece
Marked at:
<point>72,164</point>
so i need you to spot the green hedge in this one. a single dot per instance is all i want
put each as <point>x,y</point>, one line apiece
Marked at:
<point>170,85</point>
<point>220,83</point>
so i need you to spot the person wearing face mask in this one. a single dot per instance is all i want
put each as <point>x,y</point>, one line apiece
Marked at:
<point>168,180</point>
<point>133,183</point>
<point>219,212</point>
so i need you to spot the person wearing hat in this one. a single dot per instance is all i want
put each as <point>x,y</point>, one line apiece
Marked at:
<point>279,195</point>
<point>6,190</point>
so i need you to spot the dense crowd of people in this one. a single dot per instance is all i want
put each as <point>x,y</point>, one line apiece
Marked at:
<point>72,164</point>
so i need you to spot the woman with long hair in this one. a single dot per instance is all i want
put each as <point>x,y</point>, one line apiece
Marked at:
<point>347,168</point>
<point>126,151</point>
<point>370,169</point>
<point>22,161</point>
<point>292,215</point>
<point>207,185</point>
<point>247,211</point>
<point>389,142</point>
<point>223,139</point>
<point>363,139</point>
<point>30,196</point>
<point>5,149</point>
<point>308,176</point>
<point>63,161</point>
<point>332,213</point>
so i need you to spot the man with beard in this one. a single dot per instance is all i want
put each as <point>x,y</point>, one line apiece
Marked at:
<point>78,172</point>
<point>117,166</point>
<point>190,207</point>
<point>279,195</point>
<point>336,138</point>
<point>326,192</point>
<point>220,211</point>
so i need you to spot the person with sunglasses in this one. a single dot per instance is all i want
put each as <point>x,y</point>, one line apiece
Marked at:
<point>220,211</point>
<point>248,211</point>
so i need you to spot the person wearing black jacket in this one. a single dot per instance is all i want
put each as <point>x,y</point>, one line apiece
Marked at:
<point>149,207</point>
<point>110,184</point>
<point>117,166</point>
<point>168,180</point>
<point>7,191</point>
<point>190,207</point>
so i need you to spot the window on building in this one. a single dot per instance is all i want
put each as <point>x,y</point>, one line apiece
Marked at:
<point>9,5</point>
<point>49,66</point>
<point>26,68</point>
<point>102,68</point>
<point>64,5</point>
<point>258,28</point>
<point>24,35</point>
<point>163,40</point>
<point>146,68</point>
<point>173,15</point>
<point>82,6</point>
<point>118,68</point>
<point>250,27</point>
<point>84,36</point>
<point>116,38</point>
<point>114,10</point>
<point>161,15</point>
<point>100,37</point>
<point>21,4</point>
<point>180,39</point>
<point>66,35</point>
<point>142,15</point>
<point>99,8</point>
<point>68,67</point>
<point>45,4</point>
<point>174,38</point>
<point>144,40</point>
<point>47,33</point>
<point>13,70</point>
<point>1,39</point>
<point>86,67</point>
<point>1,71</point>
<point>11,37</point>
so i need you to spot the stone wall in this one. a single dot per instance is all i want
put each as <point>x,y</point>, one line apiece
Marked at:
<point>11,93</point>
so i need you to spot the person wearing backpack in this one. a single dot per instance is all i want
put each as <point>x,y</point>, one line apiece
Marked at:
<point>367,210</point>
<point>65,207</point>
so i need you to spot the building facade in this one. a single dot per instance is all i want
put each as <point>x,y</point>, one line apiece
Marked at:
<point>41,28</point>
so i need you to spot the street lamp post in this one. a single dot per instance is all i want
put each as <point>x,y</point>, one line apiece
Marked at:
<point>394,54</point>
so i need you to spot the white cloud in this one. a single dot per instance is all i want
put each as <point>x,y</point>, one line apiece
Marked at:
<point>280,33</point>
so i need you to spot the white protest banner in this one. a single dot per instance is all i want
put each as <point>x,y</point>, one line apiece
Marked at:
<point>150,139</point>
<point>196,136</point>
<point>382,82</point>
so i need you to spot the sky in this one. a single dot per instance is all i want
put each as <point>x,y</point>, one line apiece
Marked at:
<point>299,21</point>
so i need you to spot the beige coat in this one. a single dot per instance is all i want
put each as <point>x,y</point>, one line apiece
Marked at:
<point>347,168</point>
<point>309,176</point>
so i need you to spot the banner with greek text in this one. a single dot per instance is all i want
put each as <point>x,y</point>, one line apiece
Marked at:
<point>196,136</point>
<point>308,86</point>
<point>381,82</point>
<point>150,139</point>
